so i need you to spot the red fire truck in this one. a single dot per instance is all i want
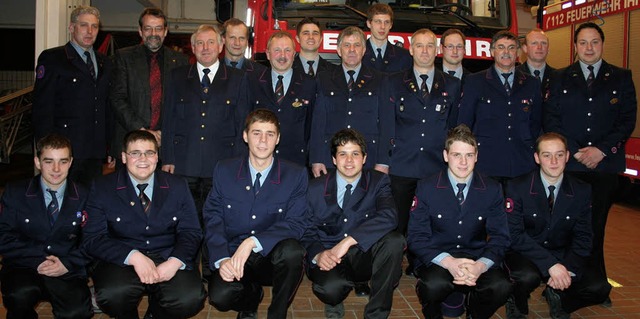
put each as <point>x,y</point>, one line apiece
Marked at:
<point>479,20</point>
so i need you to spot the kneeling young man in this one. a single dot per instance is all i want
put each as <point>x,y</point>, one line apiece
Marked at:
<point>40,231</point>
<point>351,238</point>
<point>549,216</point>
<point>254,217</point>
<point>458,233</point>
<point>143,230</point>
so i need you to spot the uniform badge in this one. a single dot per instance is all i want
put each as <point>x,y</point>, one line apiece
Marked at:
<point>401,107</point>
<point>205,90</point>
<point>85,217</point>
<point>438,107</point>
<point>361,84</point>
<point>445,93</point>
<point>40,72</point>
<point>508,205</point>
<point>414,203</point>
<point>525,109</point>
<point>613,101</point>
<point>296,103</point>
<point>614,150</point>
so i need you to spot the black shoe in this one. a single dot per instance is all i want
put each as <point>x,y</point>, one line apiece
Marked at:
<point>607,303</point>
<point>362,289</point>
<point>334,312</point>
<point>247,315</point>
<point>555,304</point>
<point>512,310</point>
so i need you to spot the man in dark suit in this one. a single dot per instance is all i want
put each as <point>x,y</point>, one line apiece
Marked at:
<point>426,104</point>
<point>309,35</point>
<point>142,74</point>
<point>40,231</point>
<point>536,46</point>
<point>351,238</point>
<point>452,45</point>
<point>70,95</point>
<point>236,38</point>
<point>593,104</point>
<point>503,108</point>
<point>205,112</point>
<point>549,216</point>
<point>254,217</point>
<point>381,54</point>
<point>143,231</point>
<point>458,232</point>
<point>289,93</point>
<point>351,96</point>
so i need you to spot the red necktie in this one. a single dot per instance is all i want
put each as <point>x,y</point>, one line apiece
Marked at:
<point>155,83</point>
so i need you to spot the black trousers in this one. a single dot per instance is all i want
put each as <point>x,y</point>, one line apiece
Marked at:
<point>282,269</point>
<point>603,188</point>
<point>403,190</point>
<point>119,291</point>
<point>586,290</point>
<point>22,289</point>
<point>435,284</point>
<point>382,264</point>
<point>200,188</point>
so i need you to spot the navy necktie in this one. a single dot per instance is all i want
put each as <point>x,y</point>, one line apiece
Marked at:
<point>506,82</point>
<point>279,89</point>
<point>591,76</point>
<point>205,80</point>
<point>311,72</point>
<point>452,73</point>
<point>423,87</point>
<point>460,194</point>
<point>144,199</point>
<point>90,66</point>
<point>351,79</point>
<point>234,64</point>
<point>347,195</point>
<point>552,197</point>
<point>536,73</point>
<point>256,184</point>
<point>53,209</point>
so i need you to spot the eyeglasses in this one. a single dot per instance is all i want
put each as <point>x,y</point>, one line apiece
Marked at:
<point>138,154</point>
<point>149,29</point>
<point>452,47</point>
<point>504,48</point>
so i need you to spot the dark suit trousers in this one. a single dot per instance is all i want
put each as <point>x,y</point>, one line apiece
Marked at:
<point>586,290</point>
<point>435,284</point>
<point>84,171</point>
<point>403,190</point>
<point>22,289</point>
<point>200,188</point>
<point>382,264</point>
<point>603,188</point>
<point>282,269</point>
<point>119,291</point>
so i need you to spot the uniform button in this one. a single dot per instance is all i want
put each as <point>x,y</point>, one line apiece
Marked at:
<point>590,99</point>
<point>457,246</point>
<point>147,242</point>
<point>422,149</point>
<point>204,102</point>
<point>509,114</point>
<point>345,220</point>
<point>257,102</point>
<point>96,122</point>
<point>203,114</point>
<point>568,217</point>
<point>346,235</point>
<point>277,151</point>
<point>422,134</point>
<point>253,216</point>
<point>202,138</point>
<point>118,219</point>
<point>202,126</point>
<point>374,141</point>
<point>460,223</point>
<point>509,127</point>
<point>439,216</point>
<point>348,126</point>
<point>478,143</point>
<point>253,232</point>
<point>229,206</point>
<point>302,150</point>
<point>479,217</point>
<point>366,216</point>
<point>48,247</point>
<point>175,218</point>
<point>459,236</point>
<point>589,114</point>
<point>424,121</point>
<point>589,143</point>
<point>509,103</point>
<point>349,100</point>
<point>146,228</point>
<point>280,210</point>
<point>26,220</point>
<point>509,139</point>
<point>546,242</point>
<point>74,223</point>
<point>588,129</point>
<point>535,215</point>
<point>349,112</point>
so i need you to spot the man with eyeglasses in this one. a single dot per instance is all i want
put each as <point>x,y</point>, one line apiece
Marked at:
<point>141,79</point>
<point>503,107</point>
<point>290,93</point>
<point>593,104</point>
<point>142,229</point>
<point>536,46</point>
<point>309,35</point>
<point>381,54</point>
<point>452,46</point>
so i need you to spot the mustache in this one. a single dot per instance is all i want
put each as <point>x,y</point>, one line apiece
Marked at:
<point>153,37</point>
<point>282,60</point>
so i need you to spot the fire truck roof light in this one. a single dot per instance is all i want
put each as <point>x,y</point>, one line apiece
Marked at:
<point>631,172</point>
<point>578,2</point>
<point>566,5</point>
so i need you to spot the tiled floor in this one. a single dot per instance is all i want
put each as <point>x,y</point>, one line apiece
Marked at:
<point>623,260</point>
